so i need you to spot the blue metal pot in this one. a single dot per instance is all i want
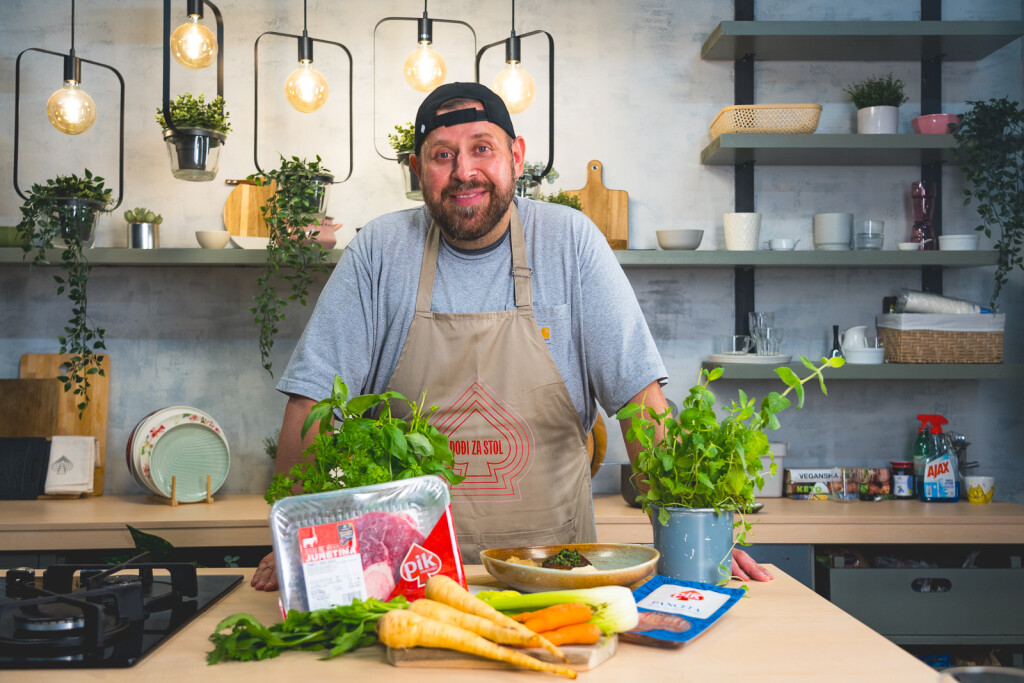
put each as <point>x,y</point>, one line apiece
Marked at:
<point>695,545</point>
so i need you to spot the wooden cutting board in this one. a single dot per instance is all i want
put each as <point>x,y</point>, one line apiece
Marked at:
<point>581,657</point>
<point>28,407</point>
<point>609,209</point>
<point>242,215</point>
<point>94,419</point>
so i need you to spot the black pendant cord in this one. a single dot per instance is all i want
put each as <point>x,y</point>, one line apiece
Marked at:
<point>72,26</point>
<point>305,23</point>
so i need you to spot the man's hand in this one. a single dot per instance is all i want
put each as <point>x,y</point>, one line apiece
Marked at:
<point>265,576</point>
<point>744,568</point>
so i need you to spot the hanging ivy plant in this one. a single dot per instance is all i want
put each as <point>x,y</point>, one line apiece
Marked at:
<point>63,212</point>
<point>293,254</point>
<point>989,149</point>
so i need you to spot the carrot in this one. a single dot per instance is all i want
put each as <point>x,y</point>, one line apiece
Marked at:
<point>574,634</point>
<point>478,625</point>
<point>400,628</point>
<point>556,616</point>
<point>443,589</point>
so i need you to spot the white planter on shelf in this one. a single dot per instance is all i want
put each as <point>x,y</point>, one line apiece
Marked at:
<point>877,120</point>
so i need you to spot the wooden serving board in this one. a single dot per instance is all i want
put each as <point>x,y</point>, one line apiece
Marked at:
<point>242,215</point>
<point>609,209</point>
<point>94,419</point>
<point>28,407</point>
<point>581,657</point>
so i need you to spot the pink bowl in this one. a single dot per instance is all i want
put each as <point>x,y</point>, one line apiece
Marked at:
<point>934,124</point>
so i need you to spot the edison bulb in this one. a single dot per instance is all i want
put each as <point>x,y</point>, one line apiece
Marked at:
<point>193,45</point>
<point>515,86</point>
<point>70,109</point>
<point>424,68</point>
<point>306,88</point>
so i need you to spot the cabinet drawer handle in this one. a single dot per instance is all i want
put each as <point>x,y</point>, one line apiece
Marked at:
<point>926,585</point>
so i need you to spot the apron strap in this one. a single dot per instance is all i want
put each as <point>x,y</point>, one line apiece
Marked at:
<point>520,273</point>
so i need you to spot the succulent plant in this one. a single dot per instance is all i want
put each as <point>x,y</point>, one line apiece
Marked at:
<point>141,215</point>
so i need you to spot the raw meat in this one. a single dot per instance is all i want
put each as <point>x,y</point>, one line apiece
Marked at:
<point>384,540</point>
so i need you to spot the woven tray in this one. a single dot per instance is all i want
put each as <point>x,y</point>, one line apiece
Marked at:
<point>941,346</point>
<point>767,118</point>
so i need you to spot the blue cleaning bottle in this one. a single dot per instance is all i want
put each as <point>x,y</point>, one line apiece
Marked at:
<point>941,473</point>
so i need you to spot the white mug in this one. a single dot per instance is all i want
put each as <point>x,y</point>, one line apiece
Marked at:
<point>742,231</point>
<point>855,337</point>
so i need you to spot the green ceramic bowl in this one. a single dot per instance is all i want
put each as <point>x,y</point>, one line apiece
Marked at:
<point>616,564</point>
<point>9,236</point>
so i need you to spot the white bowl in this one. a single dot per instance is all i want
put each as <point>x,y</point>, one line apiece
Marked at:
<point>680,239</point>
<point>909,246</point>
<point>958,242</point>
<point>250,242</point>
<point>212,239</point>
<point>864,356</point>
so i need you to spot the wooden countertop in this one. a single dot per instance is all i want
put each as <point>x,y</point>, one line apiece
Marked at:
<point>240,520</point>
<point>781,631</point>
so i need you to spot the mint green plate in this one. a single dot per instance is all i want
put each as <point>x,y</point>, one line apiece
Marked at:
<point>189,452</point>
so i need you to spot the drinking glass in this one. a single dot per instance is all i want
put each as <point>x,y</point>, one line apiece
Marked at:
<point>756,320</point>
<point>867,235</point>
<point>736,344</point>
<point>768,340</point>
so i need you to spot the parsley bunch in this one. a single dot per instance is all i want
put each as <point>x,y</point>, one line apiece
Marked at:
<point>335,629</point>
<point>360,451</point>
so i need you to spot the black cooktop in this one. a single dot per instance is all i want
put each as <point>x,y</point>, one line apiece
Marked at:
<point>93,616</point>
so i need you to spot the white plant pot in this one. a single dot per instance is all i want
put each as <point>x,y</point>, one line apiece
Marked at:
<point>878,120</point>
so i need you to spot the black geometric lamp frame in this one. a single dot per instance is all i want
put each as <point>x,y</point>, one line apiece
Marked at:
<point>195,7</point>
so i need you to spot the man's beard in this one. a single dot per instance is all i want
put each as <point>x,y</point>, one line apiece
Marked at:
<point>468,223</point>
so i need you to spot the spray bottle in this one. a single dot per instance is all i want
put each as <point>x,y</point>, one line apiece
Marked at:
<point>919,450</point>
<point>941,471</point>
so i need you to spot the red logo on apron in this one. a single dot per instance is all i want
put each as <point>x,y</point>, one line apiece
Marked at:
<point>494,448</point>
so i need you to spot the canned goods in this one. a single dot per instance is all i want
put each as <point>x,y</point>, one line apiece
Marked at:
<point>902,479</point>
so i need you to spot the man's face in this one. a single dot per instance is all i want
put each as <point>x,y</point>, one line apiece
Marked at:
<point>468,175</point>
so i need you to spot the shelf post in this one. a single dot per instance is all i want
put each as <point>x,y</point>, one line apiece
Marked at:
<point>743,178</point>
<point>931,103</point>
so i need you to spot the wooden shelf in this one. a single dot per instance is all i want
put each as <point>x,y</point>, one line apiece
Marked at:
<point>828,149</point>
<point>953,41</point>
<point>885,371</point>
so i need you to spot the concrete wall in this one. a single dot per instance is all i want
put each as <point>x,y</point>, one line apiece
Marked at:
<point>631,91</point>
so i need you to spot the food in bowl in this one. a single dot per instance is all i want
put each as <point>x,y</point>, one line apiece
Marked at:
<point>679,239</point>
<point>566,558</point>
<point>958,242</point>
<point>935,124</point>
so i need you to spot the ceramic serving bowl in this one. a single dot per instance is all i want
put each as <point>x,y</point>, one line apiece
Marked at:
<point>245,242</point>
<point>212,239</point>
<point>680,239</point>
<point>935,124</point>
<point>864,356</point>
<point>909,246</point>
<point>958,242</point>
<point>616,564</point>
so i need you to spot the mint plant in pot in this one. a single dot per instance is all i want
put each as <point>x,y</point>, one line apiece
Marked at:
<point>294,256</point>
<point>403,142</point>
<point>989,145</point>
<point>703,473</point>
<point>202,127</point>
<point>63,213</point>
<point>877,100</point>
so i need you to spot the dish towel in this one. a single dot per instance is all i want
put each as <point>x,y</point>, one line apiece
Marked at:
<point>72,465</point>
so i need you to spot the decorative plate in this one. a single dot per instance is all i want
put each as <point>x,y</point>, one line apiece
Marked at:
<point>185,443</point>
<point>616,564</point>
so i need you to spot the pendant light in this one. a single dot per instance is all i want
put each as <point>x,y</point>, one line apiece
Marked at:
<point>70,109</point>
<point>192,44</point>
<point>516,86</point>
<point>306,89</point>
<point>424,68</point>
<point>171,47</point>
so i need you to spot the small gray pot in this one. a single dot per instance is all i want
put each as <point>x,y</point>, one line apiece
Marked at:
<point>695,545</point>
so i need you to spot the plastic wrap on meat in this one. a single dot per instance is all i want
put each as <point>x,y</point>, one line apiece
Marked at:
<point>384,539</point>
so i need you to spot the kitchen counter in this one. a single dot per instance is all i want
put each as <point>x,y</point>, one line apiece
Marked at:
<point>780,631</point>
<point>241,520</point>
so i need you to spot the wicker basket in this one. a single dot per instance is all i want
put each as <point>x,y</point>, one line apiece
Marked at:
<point>767,118</point>
<point>915,338</point>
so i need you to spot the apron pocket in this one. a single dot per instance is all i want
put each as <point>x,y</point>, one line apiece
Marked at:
<point>556,328</point>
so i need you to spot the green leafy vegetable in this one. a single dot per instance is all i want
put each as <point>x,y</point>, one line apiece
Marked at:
<point>614,607</point>
<point>360,451</point>
<point>335,629</point>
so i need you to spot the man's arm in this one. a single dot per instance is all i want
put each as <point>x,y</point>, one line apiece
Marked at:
<point>743,566</point>
<point>290,447</point>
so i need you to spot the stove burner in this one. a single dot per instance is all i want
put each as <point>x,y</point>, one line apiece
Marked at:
<point>49,618</point>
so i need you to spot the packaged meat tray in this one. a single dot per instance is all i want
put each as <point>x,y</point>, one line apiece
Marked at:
<point>376,541</point>
<point>674,612</point>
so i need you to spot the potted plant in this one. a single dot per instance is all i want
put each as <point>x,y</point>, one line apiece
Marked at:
<point>528,184</point>
<point>294,255</point>
<point>194,149</point>
<point>705,470</point>
<point>989,145</point>
<point>63,213</point>
<point>143,228</point>
<point>359,451</point>
<point>877,100</point>
<point>403,141</point>
<point>563,198</point>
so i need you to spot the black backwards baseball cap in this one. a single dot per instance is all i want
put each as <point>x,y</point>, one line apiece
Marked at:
<point>494,110</point>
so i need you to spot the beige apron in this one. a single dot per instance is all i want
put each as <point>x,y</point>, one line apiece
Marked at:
<point>507,413</point>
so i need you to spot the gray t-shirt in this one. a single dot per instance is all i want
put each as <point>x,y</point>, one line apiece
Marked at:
<point>597,334</point>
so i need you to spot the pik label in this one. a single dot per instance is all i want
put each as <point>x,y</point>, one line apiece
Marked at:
<point>419,565</point>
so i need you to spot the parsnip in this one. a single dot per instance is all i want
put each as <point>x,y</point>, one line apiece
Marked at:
<point>438,611</point>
